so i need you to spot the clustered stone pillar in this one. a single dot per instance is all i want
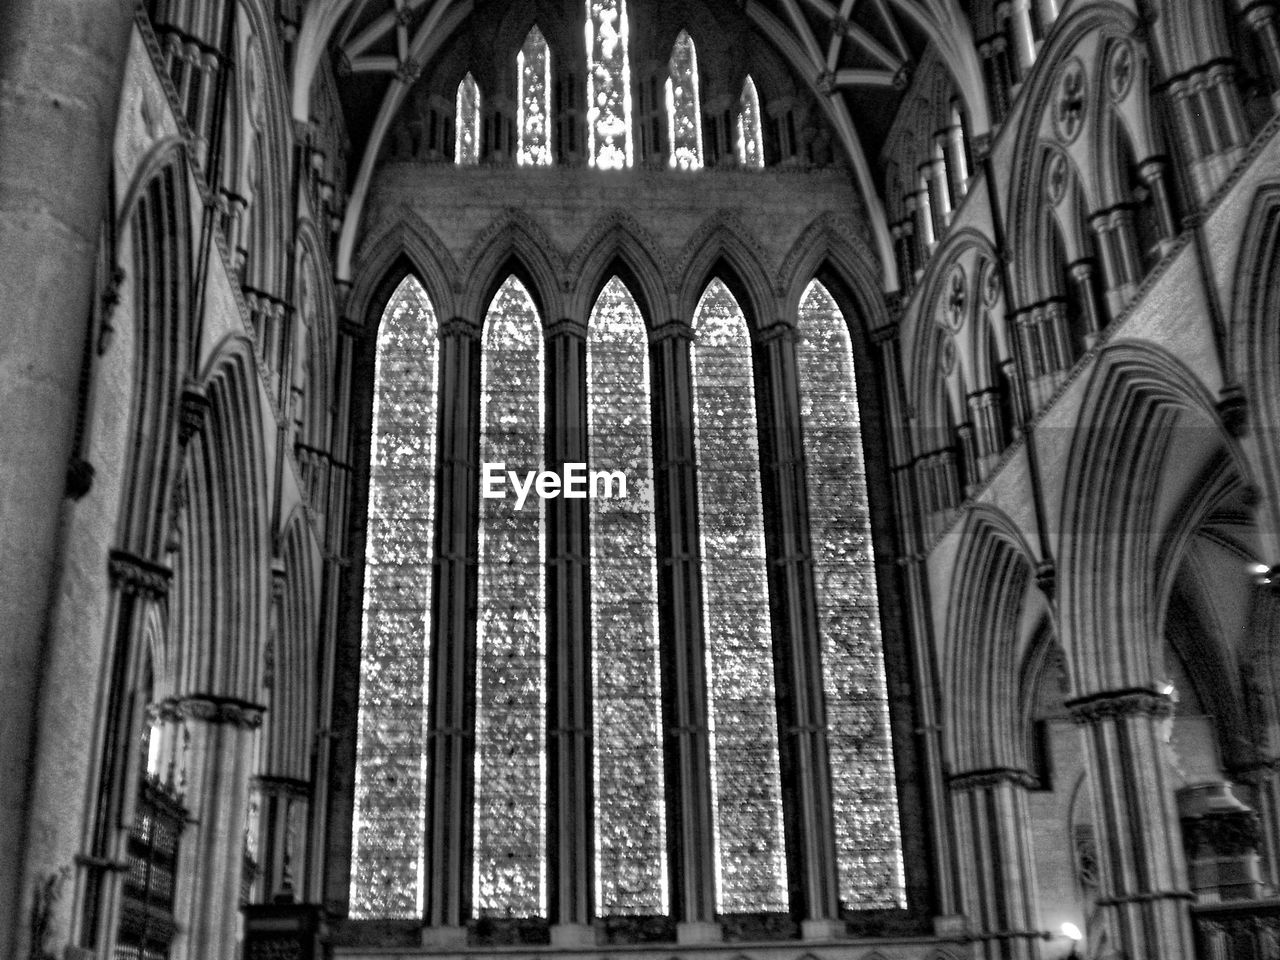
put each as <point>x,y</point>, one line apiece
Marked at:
<point>57,127</point>
<point>802,721</point>
<point>686,747</point>
<point>218,766</point>
<point>570,804</point>
<point>997,868</point>
<point>1142,886</point>
<point>451,668</point>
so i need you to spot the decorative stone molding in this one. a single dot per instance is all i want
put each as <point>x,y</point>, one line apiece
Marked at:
<point>1120,704</point>
<point>221,710</point>
<point>138,577</point>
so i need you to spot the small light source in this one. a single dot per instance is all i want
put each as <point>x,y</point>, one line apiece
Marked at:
<point>1258,568</point>
<point>1071,932</point>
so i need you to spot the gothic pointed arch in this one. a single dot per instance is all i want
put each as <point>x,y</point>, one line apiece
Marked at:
<point>617,243</point>
<point>517,244</point>
<point>1145,405</point>
<point>411,241</point>
<point>718,249</point>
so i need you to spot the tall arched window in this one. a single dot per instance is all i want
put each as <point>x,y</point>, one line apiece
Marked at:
<point>746,781</point>
<point>750,132</point>
<point>390,793</point>
<point>510,861</point>
<point>533,67</point>
<point>684,115</point>
<point>466,148</point>
<point>631,874</point>
<point>864,795</point>
<point>608,85</point>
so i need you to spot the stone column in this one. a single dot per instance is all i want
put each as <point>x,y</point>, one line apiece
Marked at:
<point>451,668</point>
<point>997,868</point>
<point>1152,171</point>
<point>211,863</point>
<point>988,442</point>
<point>690,817</point>
<point>1142,885</point>
<point>1261,18</point>
<point>802,721</point>
<point>1024,37</point>
<point>570,795</point>
<point>1083,276</point>
<point>61,64</point>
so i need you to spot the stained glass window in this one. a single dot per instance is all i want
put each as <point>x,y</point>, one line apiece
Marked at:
<point>510,827</point>
<point>467,145</point>
<point>745,776</point>
<point>684,115</point>
<point>533,65</point>
<point>750,134</point>
<point>390,752</point>
<point>630,839</point>
<point>608,85</point>
<point>864,796</point>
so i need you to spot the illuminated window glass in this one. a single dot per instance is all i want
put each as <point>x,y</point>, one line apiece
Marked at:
<point>630,839</point>
<point>510,827</point>
<point>533,65</point>
<point>745,777</point>
<point>467,145</point>
<point>608,85</point>
<point>750,135</point>
<point>864,796</point>
<point>390,752</point>
<point>684,116</point>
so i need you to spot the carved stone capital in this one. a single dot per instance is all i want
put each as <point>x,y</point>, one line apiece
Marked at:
<point>993,777</point>
<point>222,710</point>
<point>1120,704</point>
<point>780,331</point>
<point>672,329</point>
<point>138,577</point>
<point>460,327</point>
<point>565,327</point>
<point>191,413</point>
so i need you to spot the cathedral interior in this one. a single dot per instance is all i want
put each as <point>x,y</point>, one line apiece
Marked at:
<point>935,342</point>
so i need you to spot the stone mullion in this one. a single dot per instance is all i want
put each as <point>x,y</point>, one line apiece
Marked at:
<point>802,722</point>
<point>451,668</point>
<point>686,747</point>
<point>990,810</point>
<point>570,807</point>
<point>916,597</point>
<point>218,765</point>
<point>1143,892</point>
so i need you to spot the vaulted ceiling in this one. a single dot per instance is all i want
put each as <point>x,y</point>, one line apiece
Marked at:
<point>857,57</point>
